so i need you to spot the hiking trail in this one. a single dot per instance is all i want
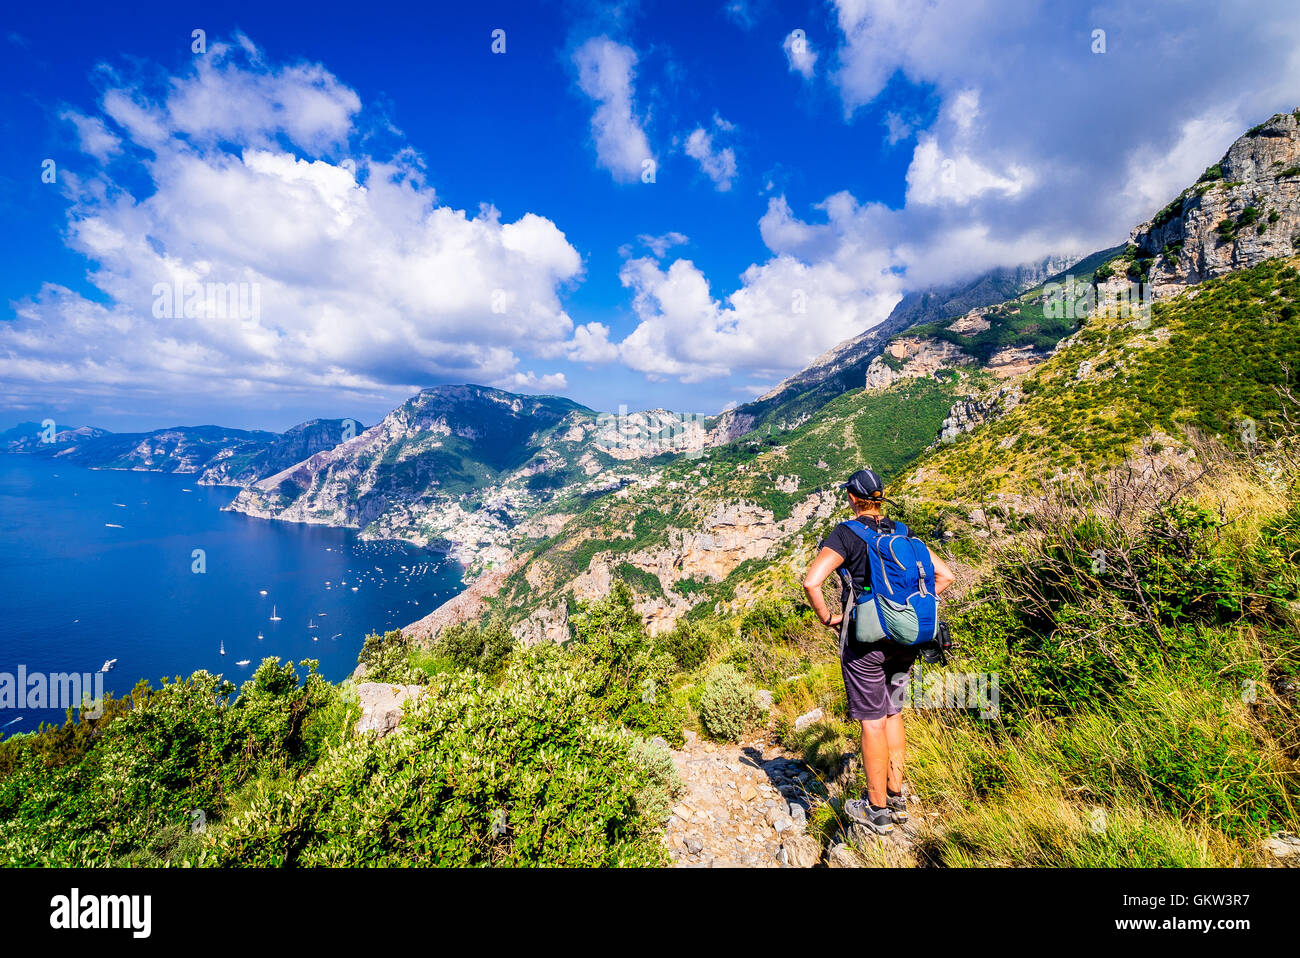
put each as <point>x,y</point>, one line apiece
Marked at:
<point>748,805</point>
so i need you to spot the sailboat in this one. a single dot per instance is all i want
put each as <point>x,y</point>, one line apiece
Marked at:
<point>223,647</point>
<point>311,624</point>
<point>274,617</point>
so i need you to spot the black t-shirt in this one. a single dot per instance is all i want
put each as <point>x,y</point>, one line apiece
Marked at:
<point>846,543</point>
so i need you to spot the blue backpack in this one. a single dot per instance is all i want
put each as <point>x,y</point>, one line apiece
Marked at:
<point>902,605</point>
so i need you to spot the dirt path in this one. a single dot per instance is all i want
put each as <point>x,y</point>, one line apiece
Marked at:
<point>747,806</point>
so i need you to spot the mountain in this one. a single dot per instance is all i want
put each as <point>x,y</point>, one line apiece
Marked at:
<point>843,366</point>
<point>218,455</point>
<point>977,394</point>
<point>635,678</point>
<point>34,437</point>
<point>1243,210</point>
<point>469,468</point>
<point>246,464</point>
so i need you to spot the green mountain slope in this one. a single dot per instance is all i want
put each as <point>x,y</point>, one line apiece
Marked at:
<point>1122,386</point>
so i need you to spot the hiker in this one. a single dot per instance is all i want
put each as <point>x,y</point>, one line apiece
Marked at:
<point>875,673</point>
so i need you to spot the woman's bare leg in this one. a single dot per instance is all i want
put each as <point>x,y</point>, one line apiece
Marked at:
<point>897,744</point>
<point>875,758</point>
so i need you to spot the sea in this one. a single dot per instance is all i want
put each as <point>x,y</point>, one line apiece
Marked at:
<point>145,568</point>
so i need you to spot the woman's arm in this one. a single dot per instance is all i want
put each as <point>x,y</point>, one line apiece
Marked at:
<point>943,576</point>
<point>827,561</point>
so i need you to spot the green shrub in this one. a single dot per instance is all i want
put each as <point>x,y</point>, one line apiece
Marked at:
<point>664,786</point>
<point>774,619</point>
<point>627,676</point>
<point>728,704</point>
<point>387,658</point>
<point>469,645</point>
<point>152,772</point>
<point>688,645</point>
<point>521,773</point>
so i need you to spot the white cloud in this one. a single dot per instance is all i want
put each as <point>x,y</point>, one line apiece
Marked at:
<point>606,71</point>
<point>532,383</point>
<point>934,178</point>
<point>799,53</point>
<point>591,344</point>
<point>94,138</point>
<point>365,284</point>
<point>820,286</point>
<point>897,128</point>
<point>659,245</point>
<point>717,163</point>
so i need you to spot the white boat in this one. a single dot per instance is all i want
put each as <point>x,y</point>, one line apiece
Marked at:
<point>108,665</point>
<point>223,648</point>
<point>274,617</point>
<point>311,624</point>
<point>259,636</point>
<point>242,662</point>
<point>263,592</point>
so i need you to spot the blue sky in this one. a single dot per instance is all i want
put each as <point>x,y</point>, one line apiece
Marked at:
<point>401,206</point>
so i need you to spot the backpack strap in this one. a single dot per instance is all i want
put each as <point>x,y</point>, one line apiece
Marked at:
<point>875,566</point>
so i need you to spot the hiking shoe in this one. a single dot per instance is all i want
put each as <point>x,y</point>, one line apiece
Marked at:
<point>861,812</point>
<point>897,805</point>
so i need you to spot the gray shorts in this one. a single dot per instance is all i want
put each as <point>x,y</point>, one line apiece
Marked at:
<point>875,677</point>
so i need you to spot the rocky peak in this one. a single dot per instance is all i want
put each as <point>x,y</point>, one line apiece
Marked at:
<point>1243,210</point>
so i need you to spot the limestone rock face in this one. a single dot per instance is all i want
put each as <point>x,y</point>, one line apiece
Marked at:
<point>1245,212</point>
<point>970,414</point>
<point>1015,361</point>
<point>919,357</point>
<point>382,704</point>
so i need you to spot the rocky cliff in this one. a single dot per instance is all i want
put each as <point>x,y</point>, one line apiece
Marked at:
<point>1243,210</point>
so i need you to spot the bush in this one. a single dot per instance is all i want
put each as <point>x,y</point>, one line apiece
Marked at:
<point>132,796</point>
<point>664,785</point>
<point>688,645</point>
<point>521,773</point>
<point>387,658</point>
<point>469,645</point>
<point>625,674</point>
<point>774,619</point>
<point>728,704</point>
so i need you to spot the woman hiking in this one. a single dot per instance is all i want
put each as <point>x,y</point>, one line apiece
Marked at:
<point>875,674</point>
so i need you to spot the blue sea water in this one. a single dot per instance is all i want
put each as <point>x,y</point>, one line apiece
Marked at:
<point>101,564</point>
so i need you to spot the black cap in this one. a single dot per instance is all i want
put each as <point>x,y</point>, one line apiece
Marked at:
<point>865,484</point>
